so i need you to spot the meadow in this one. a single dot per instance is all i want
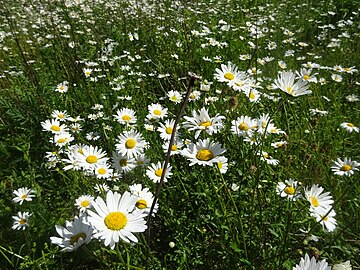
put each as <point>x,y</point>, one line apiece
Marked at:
<point>166,134</point>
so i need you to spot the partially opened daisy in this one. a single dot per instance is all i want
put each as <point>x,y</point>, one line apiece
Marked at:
<point>115,218</point>
<point>201,121</point>
<point>23,194</point>
<point>286,82</point>
<point>204,152</point>
<point>76,234</point>
<point>21,221</point>
<point>346,167</point>
<point>310,264</point>
<point>130,144</point>
<point>319,201</point>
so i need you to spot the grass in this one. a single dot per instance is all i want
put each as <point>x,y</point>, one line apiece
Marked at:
<point>142,50</point>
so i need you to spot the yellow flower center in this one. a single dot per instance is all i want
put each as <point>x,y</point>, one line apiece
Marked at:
<point>55,128</point>
<point>168,130</point>
<point>173,147</point>
<point>85,203</point>
<point>346,168</point>
<point>101,171</point>
<point>22,221</point>
<point>130,143</point>
<point>314,201</point>
<point>306,77</point>
<point>204,155</point>
<point>244,126</point>
<point>205,124</point>
<point>62,87</point>
<point>229,76</point>
<point>174,98</point>
<point>252,95</point>
<point>158,172</point>
<point>23,196</point>
<point>62,140</point>
<point>80,150</point>
<point>115,221</point>
<point>289,190</point>
<point>290,90</point>
<point>91,159</point>
<point>61,115</point>
<point>324,218</point>
<point>157,112</point>
<point>126,118</point>
<point>74,239</point>
<point>123,162</point>
<point>220,165</point>
<point>266,155</point>
<point>192,96</point>
<point>141,204</point>
<point>240,83</point>
<point>350,125</point>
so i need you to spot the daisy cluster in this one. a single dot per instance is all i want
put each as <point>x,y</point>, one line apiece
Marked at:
<point>308,263</point>
<point>21,195</point>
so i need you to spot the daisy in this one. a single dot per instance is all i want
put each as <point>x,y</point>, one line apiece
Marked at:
<point>154,172</point>
<point>204,152</point>
<point>141,160</point>
<point>156,111</point>
<point>62,139</point>
<point>279,144</point>
<point>89,157</point>
<point>228,73</point>
<point>195,95</point>
<point>287,189</point>
<point>21,221</point>
<point>116,219</point>
<point>175,148</point>
<point>201,121</point>
<point>319,201</point>
<point>286,82</point>
<point>243,126</point>
<point>326,219</point>
<point>53,126</point>
<point>336,77</point>
<point>101,188</point>
<point>310,264</point>
<point>174,96</point>
<point>253,95</point>
<point>264,156</point>
<point>102,171</point>
<point>84,202</point>
<point>122,163</point>
<point>125,116</point>
<point>352,98</point>
<point>76,234</point>
<point>222,164</point>
<point>342,266</point>
<point>87,72</point>
<point>305,74</point>
<point>346,167</point>
<point>23,194</point>
<point>130,143</point>
<point>145,198</point>
<point>349,127</point>
<point>166,129</point>
<point>62,87</point>
<point>60,115</point>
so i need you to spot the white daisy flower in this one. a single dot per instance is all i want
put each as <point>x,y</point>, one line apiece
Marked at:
<point>174,96</point>
<point>279,144</point>
<point>101,188</point>
<point>130,143</point>
<point>175,148</point>
<point>305,74</point>
<point>243,126</point>
<point>166,129</point>
<point>90,156</point>
<point>264,156</point>
<point>319,201</point>
<point>342,266</point>
<point>350,127</point>
<point>62,87</point>
<point>156,111</point>
<point>76,234</point>
<point>204,152</point>
<point>145,198</point>
<point>60,115</point>
<point>116,219</point>
<point>288,189</point>
<point>84,202</point>
<point>53,126</point>
<point>286,82</point>
<point>154,172</point>
<point>310,264</point>
<point>122,163</point>
<point>125,116</point>
<point>23,194</point>
<point>21,221</point>
<point>201,121</point>
<point>327,221</point>
<point>222,164</point>
<point>346,167</point>
<point>62,139</point>
<point>228,73</point>
<point>102,171</point>
<point>195,95</point>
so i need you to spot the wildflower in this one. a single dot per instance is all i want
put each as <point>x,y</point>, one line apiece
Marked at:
<point>195,95</point>
<point>222,164</point>
<point>62,87</point>
<point>53,126</point>
<point>286,82</point>
<point>174,96</point>
<point>101,188</point>
<point>154,172</point>
<point>102,171</point>
<point>352,98</point>
<point>116,219</point>
<point>264,156</point>
<point>84,202</point>
<point>279,144</point>
<point>204,152</point>
<point>87,72</point>
<point>175,147</point>
<point>156,111</point>
<point>287,189</point>
<point>342,266</point>
<point>228,73</point>
<point>201,120</point>
<point>166,129</point>
<point>123,163</point>
<point>326,219</point>
<point>76,234</point>
<point>346,167</point>
<point>305,74</point>
<point>60,115</point>
<point>243,126</point>
<point>318,201</point>
<point>89,157</point>
<point>21,221</point>
<point>310,264</point>
<point>336,77</point>
<point>23,194</point>
<point>125,116</point>
<point>130,143</point>
<point>350,127</point>
<point>145,198</point>
<point>62,139</point>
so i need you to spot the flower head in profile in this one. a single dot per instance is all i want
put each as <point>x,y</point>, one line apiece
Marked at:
<point>23,194</point>
<point>346,167</point>
<point>311,264</point>
<point>286,82</point>
<point>342,266</point>
<point>115,218</point>
<point>325,218</point>
<point>349,127</point>
<point>21,221</point>
<point>76,234</point>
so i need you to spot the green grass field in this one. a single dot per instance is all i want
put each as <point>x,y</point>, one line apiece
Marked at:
<point>179,134</point>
